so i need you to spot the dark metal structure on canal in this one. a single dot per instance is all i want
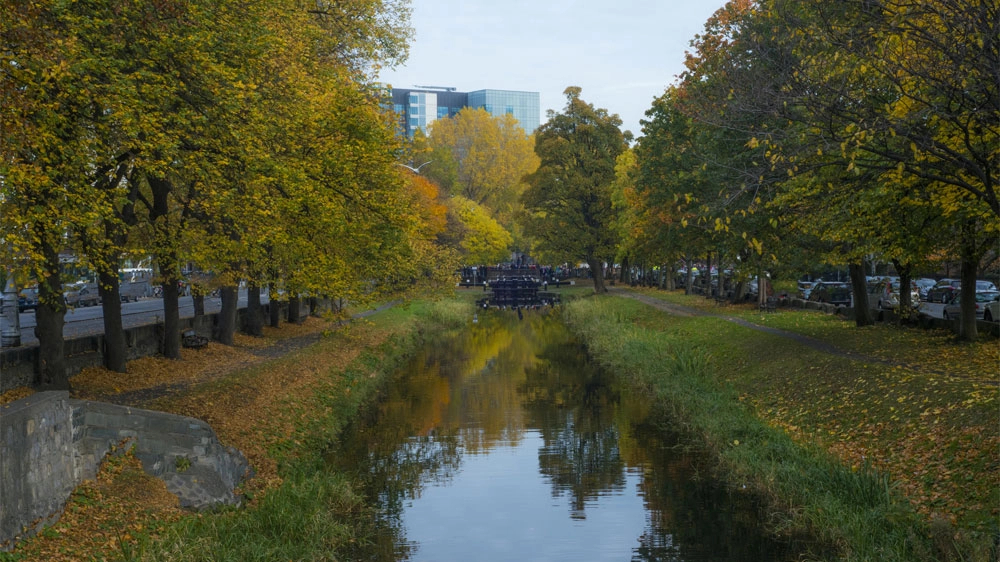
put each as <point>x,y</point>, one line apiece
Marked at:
<point>516,288</point>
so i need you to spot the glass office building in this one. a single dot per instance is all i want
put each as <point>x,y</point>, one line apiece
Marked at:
<point>418,108</point>
<point>524,106</point>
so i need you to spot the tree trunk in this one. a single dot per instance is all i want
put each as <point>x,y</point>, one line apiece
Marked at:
<point>314,309</point>
<point>49,320</point>
<point>905,298</point>
<point>294,314</point>
<point>708,275</point>
<point>598,274</point>
<point>274,310</point>
<point>227,316</point>
<point>198,299</point>
<point>254,324</point>
<point>115,348</point>
<point>859,287</point>
<point>688,289</point>
<point>762,285</point>
<point>171,319</point>
<point>967,329</point>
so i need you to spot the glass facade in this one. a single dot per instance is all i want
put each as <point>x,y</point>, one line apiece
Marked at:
<point>524,106</point>
<point>418,108</point>
<point>422,110</point>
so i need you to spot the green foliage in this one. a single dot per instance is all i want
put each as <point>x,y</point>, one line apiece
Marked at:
<point>248,140</point>
<point>569,196</point>
<point>484,239</point>
<point>827,132</point>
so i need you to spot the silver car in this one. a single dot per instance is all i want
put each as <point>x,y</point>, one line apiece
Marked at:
<point>953,309</point>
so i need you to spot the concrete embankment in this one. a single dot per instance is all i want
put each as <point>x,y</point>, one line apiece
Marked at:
<point>50,443</point>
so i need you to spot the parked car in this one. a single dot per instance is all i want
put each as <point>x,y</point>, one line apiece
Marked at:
<point>833,292</point>
<point>991,310</point>
<point>925,284</point>
<point>27,299</point>
<point>985,286</point>
<point>943,290</point>
<point>805,287</point>
<point>81,293</point>
<point>883,294</point>
<point>953,309</point>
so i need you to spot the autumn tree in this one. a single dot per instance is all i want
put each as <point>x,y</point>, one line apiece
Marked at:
<point>142,128</point>
<point>569,196</point>
<point>60,156</point>
<point>483,159</point>
<point>905,94</point>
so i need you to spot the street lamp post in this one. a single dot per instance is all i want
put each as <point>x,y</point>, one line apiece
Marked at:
<point>10,319</point>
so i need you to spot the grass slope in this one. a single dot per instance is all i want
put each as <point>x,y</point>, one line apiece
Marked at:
<point>882,461</point>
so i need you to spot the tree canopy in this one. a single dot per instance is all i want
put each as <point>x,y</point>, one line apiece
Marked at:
<point>569,197</point>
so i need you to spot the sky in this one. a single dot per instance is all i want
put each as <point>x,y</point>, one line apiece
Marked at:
<point>622,53</point>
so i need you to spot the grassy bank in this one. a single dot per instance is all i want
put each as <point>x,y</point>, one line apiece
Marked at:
<point>883,462</point>
<point>282,413</point>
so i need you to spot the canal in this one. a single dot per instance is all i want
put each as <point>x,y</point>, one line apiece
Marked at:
<point>506,443</point>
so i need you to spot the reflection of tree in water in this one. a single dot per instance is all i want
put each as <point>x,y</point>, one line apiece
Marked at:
<point>574,408</point>
<point>695,517</point>
<point>657,545</point>
<point>420,428</point>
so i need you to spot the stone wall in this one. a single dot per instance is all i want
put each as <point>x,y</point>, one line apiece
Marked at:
<point>49,444</point>
<point>36,462</point>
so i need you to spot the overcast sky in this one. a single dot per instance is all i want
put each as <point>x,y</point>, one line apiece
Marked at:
<point>623,53</point>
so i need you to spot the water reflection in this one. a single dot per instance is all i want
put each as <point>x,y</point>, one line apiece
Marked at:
<point>505,443</point>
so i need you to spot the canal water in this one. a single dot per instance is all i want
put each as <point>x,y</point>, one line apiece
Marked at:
<point>505,443</point>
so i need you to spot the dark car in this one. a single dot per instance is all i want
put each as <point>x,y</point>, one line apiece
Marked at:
<point>27,299</point>
<point>943,290</point>
<point>833,292</point>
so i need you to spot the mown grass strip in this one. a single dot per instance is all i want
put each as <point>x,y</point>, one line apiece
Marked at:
<point>716,377</point>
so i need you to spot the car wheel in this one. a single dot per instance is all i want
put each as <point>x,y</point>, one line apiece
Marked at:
<point>988,316</point>
<point>946,317</point>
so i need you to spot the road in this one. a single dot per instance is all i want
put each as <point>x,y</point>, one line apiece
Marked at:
<point>89,321</point>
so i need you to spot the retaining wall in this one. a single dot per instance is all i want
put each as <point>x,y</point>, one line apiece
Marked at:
<point>49,444</point>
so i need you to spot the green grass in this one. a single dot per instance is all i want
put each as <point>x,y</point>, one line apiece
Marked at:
<point>311,515</point>
<point>937,350</point>
<point>821,437</point>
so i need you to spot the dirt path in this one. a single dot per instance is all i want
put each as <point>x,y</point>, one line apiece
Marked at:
<point>260,355</point>
<point>142,396</point>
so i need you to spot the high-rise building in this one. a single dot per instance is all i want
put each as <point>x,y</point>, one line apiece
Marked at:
<point>420,106</point>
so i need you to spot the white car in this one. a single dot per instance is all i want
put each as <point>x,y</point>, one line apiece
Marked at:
<point>883,293</point>
<point>953,309</point>
<point>991,310</point>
